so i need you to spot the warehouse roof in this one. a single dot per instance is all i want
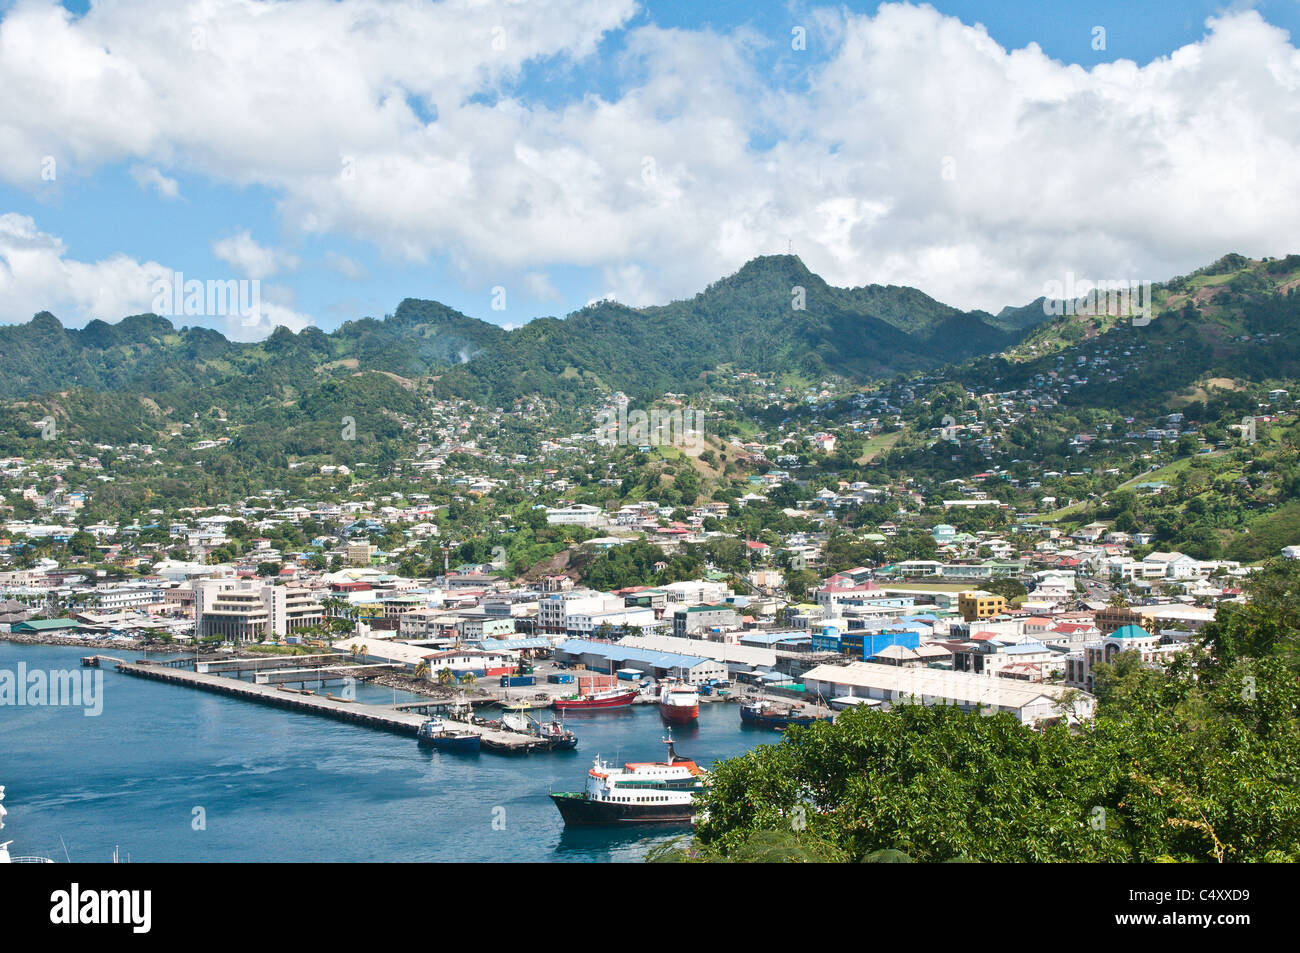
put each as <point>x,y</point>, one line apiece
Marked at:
<point>962,687</point>
<point>627,653</point>
<point>753,656</point>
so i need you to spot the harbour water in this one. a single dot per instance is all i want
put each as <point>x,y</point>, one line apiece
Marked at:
<point>166,773</point>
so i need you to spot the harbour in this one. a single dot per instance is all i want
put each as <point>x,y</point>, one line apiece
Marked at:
<point>277,782</point>
<point>270,690</point>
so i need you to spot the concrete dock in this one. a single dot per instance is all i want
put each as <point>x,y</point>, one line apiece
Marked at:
<point>387,718</point>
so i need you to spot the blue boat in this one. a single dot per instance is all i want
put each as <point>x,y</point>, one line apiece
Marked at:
<point>435,734</point>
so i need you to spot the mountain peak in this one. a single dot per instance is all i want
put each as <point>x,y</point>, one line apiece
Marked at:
<point>774,264</point>
<point>44,321</point>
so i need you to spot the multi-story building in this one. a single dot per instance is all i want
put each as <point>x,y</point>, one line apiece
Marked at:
<point>579,514</point>
<point>618,621</point>
<point>250,611</point>
<point>698,619</point>
<point>1154,650</point>
<point>555,608</point>
<point>117,598</point>
<point>977,604</point>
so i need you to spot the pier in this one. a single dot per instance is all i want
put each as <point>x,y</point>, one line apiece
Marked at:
<point>322,674</point>
<point>96,661</point>
<point>383,717</point>
<point>240,666</point>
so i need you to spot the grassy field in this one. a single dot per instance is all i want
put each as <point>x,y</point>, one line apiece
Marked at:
<point>878,445</point>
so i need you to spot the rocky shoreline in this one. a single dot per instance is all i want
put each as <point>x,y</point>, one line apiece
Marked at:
<point>408,683</point>
<point>135,645</point>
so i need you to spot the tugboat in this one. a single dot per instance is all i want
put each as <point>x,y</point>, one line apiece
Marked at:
<point>679,703</point>
<point>5,857</point>
<point>768,714</point>
<point>434,733</point>
<point>608,698</point>
<point>651,792</point>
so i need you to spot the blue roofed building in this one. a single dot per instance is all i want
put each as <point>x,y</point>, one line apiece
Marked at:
<point>610,657</point>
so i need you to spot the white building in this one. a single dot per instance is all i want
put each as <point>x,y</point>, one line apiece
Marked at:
<point>578,514</point>
<point>1030,702</point>
<point>250,611</point>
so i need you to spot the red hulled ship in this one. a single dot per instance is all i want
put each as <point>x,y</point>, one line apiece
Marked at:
<point>679,703</point>
<point>604,698</point>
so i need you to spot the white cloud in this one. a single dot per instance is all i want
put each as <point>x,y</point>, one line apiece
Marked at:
<point>1114,171</point>
<point>540,288</point>
<point>251,259</point>
<point>147,177</point>
<point>36,275</point>
<point>349,268</point>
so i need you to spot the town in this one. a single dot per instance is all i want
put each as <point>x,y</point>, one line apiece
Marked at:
<point>974,592</point>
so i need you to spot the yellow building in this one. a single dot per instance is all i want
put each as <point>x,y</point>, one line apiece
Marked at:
<point>978,604</point>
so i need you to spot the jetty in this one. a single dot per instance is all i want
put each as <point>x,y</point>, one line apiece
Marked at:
<point>96,661</point>
<point>394,718</point>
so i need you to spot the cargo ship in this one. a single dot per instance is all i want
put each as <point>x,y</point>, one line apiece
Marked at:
<point>767,714</point>
<point>651,792</point>
<point>679,703</point>
<point>589,701</point>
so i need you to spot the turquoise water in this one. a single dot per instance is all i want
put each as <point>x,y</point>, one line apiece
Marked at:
<point>273,785</point>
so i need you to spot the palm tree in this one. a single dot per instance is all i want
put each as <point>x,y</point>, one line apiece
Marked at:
<point>422,669</point>
<point>446,677</point>
<point>468,679</point>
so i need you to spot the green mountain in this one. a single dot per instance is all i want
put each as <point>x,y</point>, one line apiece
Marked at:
<point>773,315</point>
<point>147,353</point>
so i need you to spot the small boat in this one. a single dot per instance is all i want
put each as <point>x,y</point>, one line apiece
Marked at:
<point>679,703</point>
<point>434,733</point>
<point>652,792</point>
<point>591,701</point>
<point>524,704</point>
<point>552,734</point>
<point>768,714</point>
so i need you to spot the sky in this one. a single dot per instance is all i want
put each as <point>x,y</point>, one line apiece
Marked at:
<point>520,158</point>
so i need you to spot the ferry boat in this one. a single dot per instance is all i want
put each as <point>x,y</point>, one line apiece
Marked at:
<point>5,856</point>
<point>679,703</point>
<point>552,734</point>
<point>434,733</point>
<point>607,698</point>
<point>652,792</point>
<point>768,714</point>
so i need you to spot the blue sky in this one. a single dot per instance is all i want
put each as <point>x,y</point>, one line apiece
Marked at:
<point>503,168</point>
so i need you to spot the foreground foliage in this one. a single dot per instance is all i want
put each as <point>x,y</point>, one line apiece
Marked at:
<point>1196,762</point>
